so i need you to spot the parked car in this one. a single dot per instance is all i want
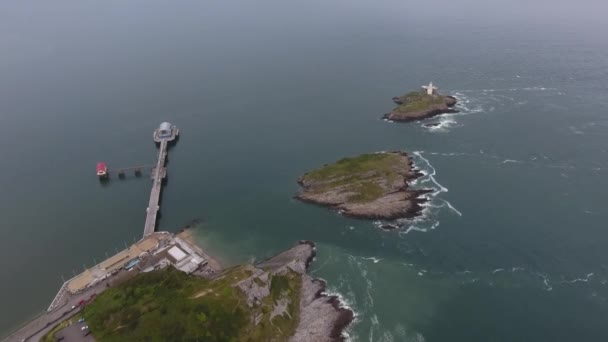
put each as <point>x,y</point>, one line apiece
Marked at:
<point>84,328</point>
<point>81,320</point>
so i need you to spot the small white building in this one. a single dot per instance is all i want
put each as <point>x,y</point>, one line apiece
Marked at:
<point>164,130</point>
<point>430,89</point>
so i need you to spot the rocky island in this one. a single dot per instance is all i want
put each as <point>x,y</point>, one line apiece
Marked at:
<point>275,300</point>
<point>370,186</point>
<point>423,104</point>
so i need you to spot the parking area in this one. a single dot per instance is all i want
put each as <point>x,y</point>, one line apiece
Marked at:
<point>74,333</point>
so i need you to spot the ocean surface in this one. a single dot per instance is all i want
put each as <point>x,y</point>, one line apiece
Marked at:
<point>513,245</point>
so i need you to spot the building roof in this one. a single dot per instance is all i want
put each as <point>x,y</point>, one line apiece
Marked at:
<point>177,253</point>
<point>165,127</point>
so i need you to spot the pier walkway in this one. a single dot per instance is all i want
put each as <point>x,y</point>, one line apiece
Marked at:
<point>157,183</point>
<point>163,135</point>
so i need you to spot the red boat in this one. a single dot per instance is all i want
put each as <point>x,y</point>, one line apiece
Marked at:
<point>102,169</point>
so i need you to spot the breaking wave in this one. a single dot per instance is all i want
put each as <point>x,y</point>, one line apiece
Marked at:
<point>427,219</point>
<point>474,101</point>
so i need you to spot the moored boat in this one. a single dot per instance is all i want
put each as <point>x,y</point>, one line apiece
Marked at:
<point>102,169</point>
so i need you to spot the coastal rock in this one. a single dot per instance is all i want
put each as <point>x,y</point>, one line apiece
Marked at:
<point>370,186</point>
<point>419,105</point>
<point>322,318</point>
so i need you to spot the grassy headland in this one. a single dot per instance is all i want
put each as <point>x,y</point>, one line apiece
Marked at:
<point>169,305</point>
<point>419,105</point>
<point>357,176</point>
<point>367,186</point>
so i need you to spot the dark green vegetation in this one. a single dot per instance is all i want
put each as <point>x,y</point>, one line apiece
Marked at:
<point>170,305</point>
<point>417,101</point>
<point>357,175</point>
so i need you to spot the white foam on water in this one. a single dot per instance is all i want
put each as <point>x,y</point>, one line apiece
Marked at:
<point>464,272</point>
<point>373,259</point>
<point>576,130</point>
<point>414,228</point>
<point>498,270</point>
<point>466,105</point>
<point>426,219</point>
<point>537,88</point>
<point>431,175</point>
<point>419,338</point>
<point>386,337</point>
<point>343,303</point>
<point>353,260</point>
<point>445,122</point>
<point>516,269</point>
<point>506,161</point>
<point>375,325</point>
<point>546,281</point>
<point>348,304</point>
<point>346,336</point>
<point>577,280</point>
<point>452,208</point>
<point>446,154</point>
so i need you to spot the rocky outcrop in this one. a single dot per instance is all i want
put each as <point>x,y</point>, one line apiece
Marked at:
<point>322,318</point>
<point>380,192</point>
<point>419,106</point>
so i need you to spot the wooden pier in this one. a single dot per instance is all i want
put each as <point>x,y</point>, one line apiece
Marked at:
<point>137,170</point>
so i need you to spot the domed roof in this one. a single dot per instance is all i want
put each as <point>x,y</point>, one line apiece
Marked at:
<point>165,126</point>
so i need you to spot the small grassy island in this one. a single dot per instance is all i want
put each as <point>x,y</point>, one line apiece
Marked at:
<point>275,300</point>
<point>371,186</point>
<point>419,105</point>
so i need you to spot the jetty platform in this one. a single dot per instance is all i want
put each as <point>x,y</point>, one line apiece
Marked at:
<point>163,135</point>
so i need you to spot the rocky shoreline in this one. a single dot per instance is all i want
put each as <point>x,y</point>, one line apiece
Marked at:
<point>322,317</point>
<point>417,106</point>
<point>396,200</point>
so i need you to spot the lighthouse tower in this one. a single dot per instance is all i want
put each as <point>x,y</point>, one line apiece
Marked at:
<point>430,89</point>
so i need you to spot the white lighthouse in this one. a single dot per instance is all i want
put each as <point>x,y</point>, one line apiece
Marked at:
<point>430,89</point>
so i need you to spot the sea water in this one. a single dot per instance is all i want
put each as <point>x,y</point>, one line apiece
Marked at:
<point>511,245</point>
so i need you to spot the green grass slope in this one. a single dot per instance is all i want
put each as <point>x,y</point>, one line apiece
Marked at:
<point>170,305</point>
<point>417,101</point>
<point>358,175</point>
